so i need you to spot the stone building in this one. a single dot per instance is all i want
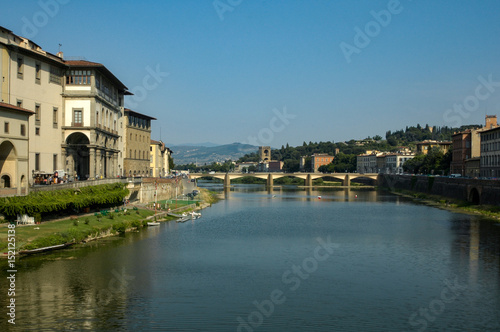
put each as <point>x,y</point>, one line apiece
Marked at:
<point>425,146</point>
<point>490,153</point>
<point>320,159</point>
<point>137,143</point>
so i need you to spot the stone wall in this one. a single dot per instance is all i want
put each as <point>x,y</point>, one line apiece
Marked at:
<point>488,191</point>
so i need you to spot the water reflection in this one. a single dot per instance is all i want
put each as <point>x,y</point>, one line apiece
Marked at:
<point>392,260</point>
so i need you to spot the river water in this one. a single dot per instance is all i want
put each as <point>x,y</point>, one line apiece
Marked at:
<point>281,260</point>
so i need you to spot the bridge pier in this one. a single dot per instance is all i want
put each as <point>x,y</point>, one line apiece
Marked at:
<point>270,180</point>
<point>309,181</point>
<point>227,181</point>
<point>347,181</point>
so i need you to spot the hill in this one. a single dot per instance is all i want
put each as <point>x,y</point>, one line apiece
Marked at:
<point>205,155</point>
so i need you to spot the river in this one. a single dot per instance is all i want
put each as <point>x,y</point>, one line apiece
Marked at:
<point>281,260</point>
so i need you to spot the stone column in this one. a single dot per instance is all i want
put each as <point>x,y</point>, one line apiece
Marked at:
<point>309,181</point>
<point>92,163</point>
<point>227,181</point>
<point>347,180</point>
<point>270,181</point>
<point>98,172</point>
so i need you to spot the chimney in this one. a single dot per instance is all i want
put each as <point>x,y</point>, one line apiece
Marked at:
<point>491,121</point>
<point>60,54</point>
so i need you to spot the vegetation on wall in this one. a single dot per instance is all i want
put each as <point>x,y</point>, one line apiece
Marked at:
<point>36,204</point>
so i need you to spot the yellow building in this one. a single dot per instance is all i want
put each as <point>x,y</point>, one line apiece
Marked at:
<point>136,147</point>
<point>159,159</point>
<point>425,146</point>
<point>14,170</point>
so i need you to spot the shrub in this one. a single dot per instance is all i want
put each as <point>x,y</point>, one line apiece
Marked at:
<point>75,222</point>
<point>87,221</point>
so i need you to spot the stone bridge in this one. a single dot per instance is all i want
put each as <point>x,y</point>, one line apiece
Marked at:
<point>270,177</point>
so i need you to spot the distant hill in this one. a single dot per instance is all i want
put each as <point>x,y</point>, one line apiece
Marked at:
<point>205,144</point>
<point>185,154</point>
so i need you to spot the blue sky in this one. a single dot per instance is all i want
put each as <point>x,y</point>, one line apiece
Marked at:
<point>284,71</point>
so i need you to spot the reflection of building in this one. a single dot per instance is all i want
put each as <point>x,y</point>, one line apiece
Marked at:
<point>425,146</point>
<point>14,171</point>
<point>136,143</point>
<point>320,159</point>
<point>159,159</point>
<point>264,154</point>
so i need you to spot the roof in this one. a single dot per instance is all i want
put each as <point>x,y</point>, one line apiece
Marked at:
<point>155,142</point>
<point>86,64</point>
<point>488,130</point>
<point>128,110</point>
<point>16,108</point>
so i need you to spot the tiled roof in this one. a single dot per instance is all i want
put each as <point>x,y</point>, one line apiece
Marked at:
<point>16,108</point>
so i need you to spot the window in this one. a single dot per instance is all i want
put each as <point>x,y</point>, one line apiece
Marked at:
<point>38,72</point>
<point>54,162</point>
<point>78,77</point>
<point>37,161</point>
<point>77,118</point>
<point>23,130</point>
<point>55,75</point>
<point>54,117</point>
<point>130,153</point>
<point>20,68</point>
<point>6,127</point>
<point>37,114</point>
<point>19,103</point>
<point>37,131</point>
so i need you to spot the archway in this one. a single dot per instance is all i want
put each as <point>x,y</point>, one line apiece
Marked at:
<point>8,165</point>
<point>5,181</point>
<point>77,151</point>
<point>474,196</point>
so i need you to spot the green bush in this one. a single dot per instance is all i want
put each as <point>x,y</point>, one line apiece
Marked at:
<point>87,221</point>
<point>75,222</point>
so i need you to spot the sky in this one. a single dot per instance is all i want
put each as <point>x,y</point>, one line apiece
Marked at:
<point>272,72</point>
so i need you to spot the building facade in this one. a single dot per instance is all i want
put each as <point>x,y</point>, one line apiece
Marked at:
<point>425,146</point>
<point>159,159</point>
<point>137,144</point>
<point>320,159</point>
<point>14,167</point>
<point>490,153</point>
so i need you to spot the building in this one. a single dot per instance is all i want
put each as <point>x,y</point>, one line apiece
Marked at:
<point>320,159</point>
<point>33,79</point>
<point>467,145</point>
<point>93,115</point>
<point>78,109</point>
<point>136,144</point>
<point>394,162</point>
<point>490,153</point>
<point>243,167</point>
<point>367,163</point>
<point>14,167</point>
<point>472,167</point>
<point>425,146</point>
<point>264,154</point>
<point>159,159</point>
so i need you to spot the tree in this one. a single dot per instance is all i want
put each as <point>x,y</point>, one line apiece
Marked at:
<point>171,164</point>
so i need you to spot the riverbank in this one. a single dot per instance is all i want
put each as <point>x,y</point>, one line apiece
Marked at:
<point>452,205</point>
<point>84,228</point>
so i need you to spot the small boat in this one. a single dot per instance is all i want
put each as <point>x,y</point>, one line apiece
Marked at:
<point>153,223</point>
<point>195,215</point>
<point>183,219</point>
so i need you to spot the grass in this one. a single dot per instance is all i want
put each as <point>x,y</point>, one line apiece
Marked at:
<point>74,227</point>
<point>455,205</point>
